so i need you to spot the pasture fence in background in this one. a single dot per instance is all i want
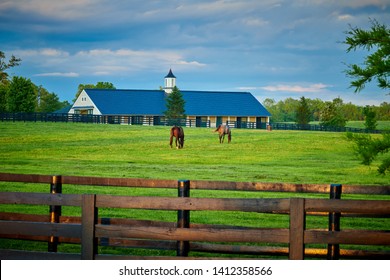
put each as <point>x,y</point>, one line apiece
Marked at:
<point>100,119</point>
<point>317,127</point>
<point>92,231</point>
<point>160,121</point>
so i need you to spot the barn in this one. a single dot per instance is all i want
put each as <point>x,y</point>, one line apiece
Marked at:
<point>203,108</point>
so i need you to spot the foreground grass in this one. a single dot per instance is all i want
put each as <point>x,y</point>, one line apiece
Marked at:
<point>143,152</point>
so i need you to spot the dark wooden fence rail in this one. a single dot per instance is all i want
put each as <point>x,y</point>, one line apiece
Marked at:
<point>195,184</point>
<point>317,127</point>
<point>150,120</point>
<point>91,230</point>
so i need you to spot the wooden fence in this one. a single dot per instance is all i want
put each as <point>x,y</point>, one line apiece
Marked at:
<point>93,231</point>
<point>319,127</point>
<point>156,120</point>
<point>101,119</point>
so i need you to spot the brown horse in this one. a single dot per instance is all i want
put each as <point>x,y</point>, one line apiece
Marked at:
<point>178,133</point>
<point>222,130</point>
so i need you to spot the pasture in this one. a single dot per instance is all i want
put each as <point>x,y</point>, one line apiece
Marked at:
<point>144,152</point>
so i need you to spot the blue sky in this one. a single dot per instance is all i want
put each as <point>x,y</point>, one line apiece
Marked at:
<point>272,48</point>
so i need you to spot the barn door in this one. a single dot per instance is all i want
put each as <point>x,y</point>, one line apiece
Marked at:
<point>219,121</point>
<point>198,121</point>
<point>238,122</point>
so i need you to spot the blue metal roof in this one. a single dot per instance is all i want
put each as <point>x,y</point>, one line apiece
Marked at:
<point>64,110</point>
<point>197,103</point>
<point>128,102</point>
<point>216,103</point>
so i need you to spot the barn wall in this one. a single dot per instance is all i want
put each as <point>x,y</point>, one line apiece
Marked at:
<point>84,103</point>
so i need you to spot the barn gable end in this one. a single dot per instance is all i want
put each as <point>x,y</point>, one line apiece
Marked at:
<point>84,105</point>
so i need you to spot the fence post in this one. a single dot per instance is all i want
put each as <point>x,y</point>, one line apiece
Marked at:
<point>183,218</point>
<point>55,211</point>
<point>334,222</point>
<point>297,229</point>
<point>89,218</point>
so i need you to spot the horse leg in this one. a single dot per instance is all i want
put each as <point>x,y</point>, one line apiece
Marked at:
<point>170,141</point>
<point>229,137</point>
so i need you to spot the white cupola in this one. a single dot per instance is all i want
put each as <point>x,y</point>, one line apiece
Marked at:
<point>169,82</point>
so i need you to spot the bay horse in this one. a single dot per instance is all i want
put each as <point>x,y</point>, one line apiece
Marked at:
<point>223,129</point>
<point>178,133</point>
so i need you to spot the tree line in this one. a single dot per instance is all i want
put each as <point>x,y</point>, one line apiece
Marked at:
<point>335,112</point>
<point>20,94</point>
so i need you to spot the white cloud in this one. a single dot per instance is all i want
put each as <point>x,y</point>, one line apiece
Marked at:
<point>128,60</point>
<point>46,52</point>
<point>312,88</point>
<point>247,88</point>
<point>69,9</point>
<point>303,47</point>
<point>58,74</point>
<point>190,63</point>
<point>344,17</point>
<point>104,62</point>
<point>255,22</point>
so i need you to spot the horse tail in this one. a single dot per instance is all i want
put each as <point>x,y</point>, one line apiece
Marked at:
<point>171,138</point>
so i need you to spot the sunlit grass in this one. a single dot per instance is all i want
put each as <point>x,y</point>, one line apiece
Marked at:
<point>144,152</point>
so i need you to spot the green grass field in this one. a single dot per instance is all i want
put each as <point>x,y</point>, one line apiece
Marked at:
<point>381,125</point>
<point>144,152</point>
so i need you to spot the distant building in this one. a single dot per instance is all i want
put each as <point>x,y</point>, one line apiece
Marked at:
<point>241,109</point>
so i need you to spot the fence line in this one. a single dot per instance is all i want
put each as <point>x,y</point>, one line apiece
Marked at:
<point>317,127</point>
<point>195,184</point>
<point>161,121</point>
<point>92,230</point>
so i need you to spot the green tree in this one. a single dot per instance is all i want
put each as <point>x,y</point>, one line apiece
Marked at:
<point>369,118</point>
<point>332,114</point>
<point>290,106</point>
<point>174,103</point>
<point>352,112</point>
<point>377,64</point>
<point>303,114</point>
<point>383,112</point>
<point>3,97</point>
<point>21,95</point>
<point>368,149</point>
<point>270,105</point>
<point>316,106</point>
<point>4,65</point>
<point>101,85</point>
<point>48,102</point>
